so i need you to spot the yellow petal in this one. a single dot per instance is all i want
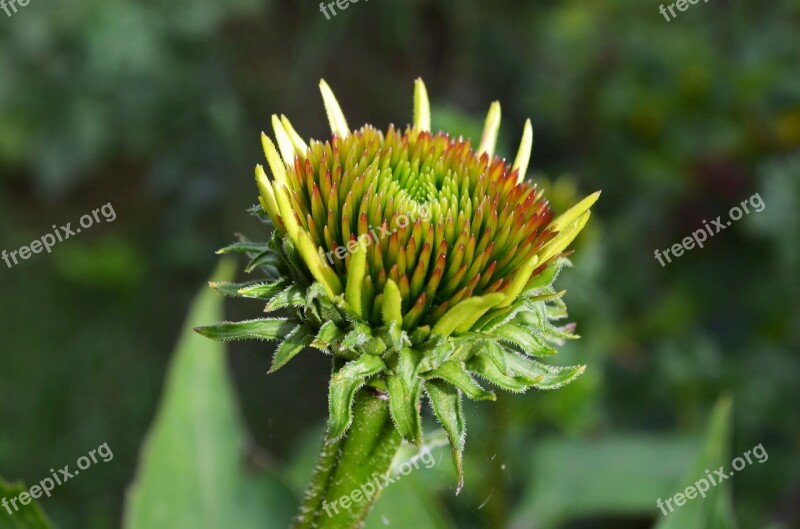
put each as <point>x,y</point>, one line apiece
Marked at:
<point>491,128</point>
<point>560,242</point>
<point>392,303</point>
<point>318,268</point>
<point>422,107</point>
<point>300,146</point>
<point>267,197</point>
<point>520,280</point>
<point>284,142</point>
<point>335,115</point>
<point>274,160</point>
<point>524,153</point>
<point>287,213</point>
<point>463,316</point>
<point>355,277</point>
<point>569,216</point>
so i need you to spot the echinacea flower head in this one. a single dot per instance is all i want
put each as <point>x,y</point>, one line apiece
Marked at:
<point>418,261</point>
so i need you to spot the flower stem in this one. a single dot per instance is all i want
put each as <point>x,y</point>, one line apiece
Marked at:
<point>346,465</point>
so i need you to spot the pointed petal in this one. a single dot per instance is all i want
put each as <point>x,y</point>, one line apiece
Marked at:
<point>560,242</point>
<point>490,130</point>
<point>318,268</point>
<point>524,153</point>
<point>422,107</point>
<point>300,146</point>
<point>335,115</point>
<point>286,211</point>
<point>392,303</point>
<point>569,216</point>
<point>274,160</point>
<point>267,195</point>
<point>355,277</point>
<point>520,280</point>
<point>284,142</point>
<point>464,315</point>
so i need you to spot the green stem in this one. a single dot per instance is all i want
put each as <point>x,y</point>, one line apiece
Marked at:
<point>351,467</point>
<point>497,507</point>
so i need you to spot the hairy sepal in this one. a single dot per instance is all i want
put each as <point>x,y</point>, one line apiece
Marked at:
<point>344,384</point>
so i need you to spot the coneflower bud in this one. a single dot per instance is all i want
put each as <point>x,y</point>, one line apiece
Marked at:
<point>415,260</point>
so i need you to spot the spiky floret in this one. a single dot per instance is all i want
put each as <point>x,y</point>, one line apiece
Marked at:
<point>417,262</point>
<point>474,226</point>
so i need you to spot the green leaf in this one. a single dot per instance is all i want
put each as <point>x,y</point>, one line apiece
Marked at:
<point>543,376</point>
<point>261,329</point>
<point>328,334</point>
<point>262,290</point>
<point>499,316</point>
<point>267,258</point>
<point>295,341</point>
<point>456,374</point>
<point>715,511</point>
<point>435,352</point>
<point>343,387</point>
<point>246,247</point>
<point>410,502</point>
<point>192,472</point>
<point>230,289</point>
<point>28,516</point>
<point>533,315</point>
<point>360,334</point>
<point>591,478</point>
<point>546,277</point>
<point>523,338</point>
<point>404,395</point>
<point>446,404</point>
<point>483,366</point>
<point>292,296</point>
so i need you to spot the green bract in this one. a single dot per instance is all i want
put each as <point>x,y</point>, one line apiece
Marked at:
<point>419,264</point>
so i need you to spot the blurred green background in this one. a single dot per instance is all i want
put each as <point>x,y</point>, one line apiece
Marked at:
<point>157,107</point>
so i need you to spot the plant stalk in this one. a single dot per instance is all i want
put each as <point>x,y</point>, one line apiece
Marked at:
<point>355,463</point>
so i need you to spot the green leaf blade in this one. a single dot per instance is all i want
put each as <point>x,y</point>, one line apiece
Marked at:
<point>295,341</point>
<point>445,401</point>
<point>343,387</point>
<point>260,329</point>
<point>192,473</point>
